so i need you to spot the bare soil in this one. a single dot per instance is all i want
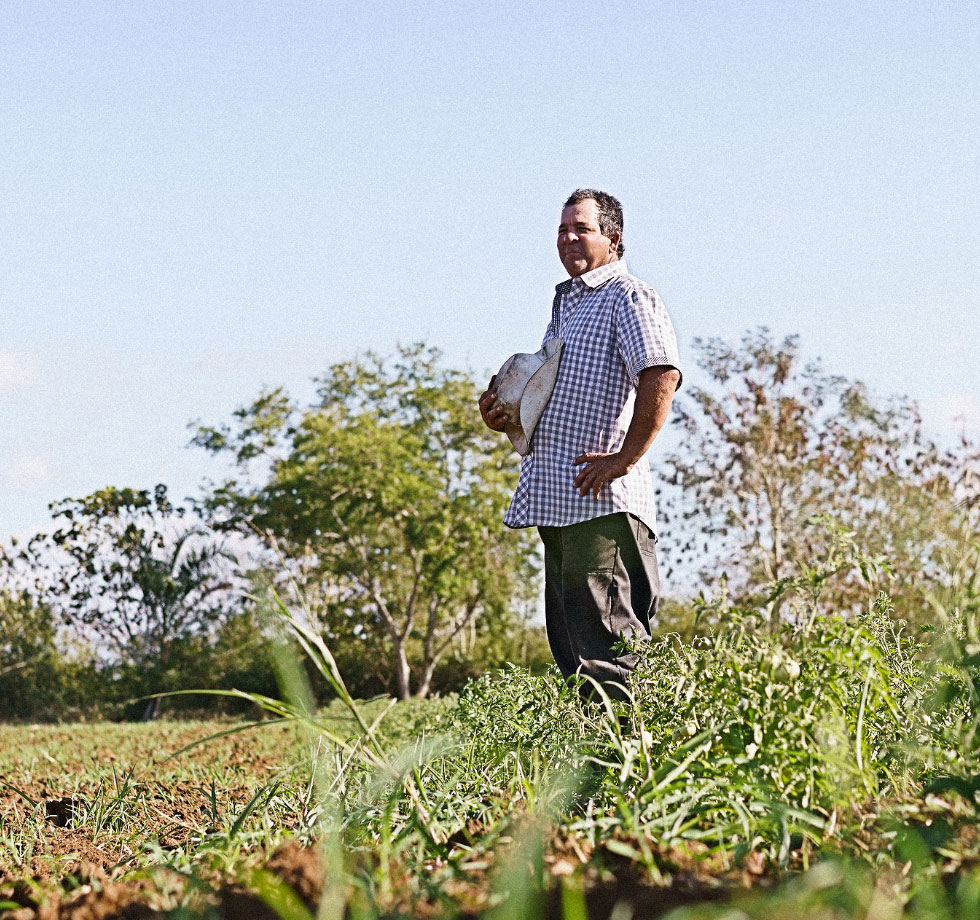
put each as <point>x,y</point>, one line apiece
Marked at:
<point>77,866</point>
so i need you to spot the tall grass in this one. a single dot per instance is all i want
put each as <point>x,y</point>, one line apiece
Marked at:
<point>839,746</point>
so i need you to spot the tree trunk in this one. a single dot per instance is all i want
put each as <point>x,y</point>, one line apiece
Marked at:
<point>152,710</point>
<point>403,673</point>
<point>153,706</point>
<point>425,681</point>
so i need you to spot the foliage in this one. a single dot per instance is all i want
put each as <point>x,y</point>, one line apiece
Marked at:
<point>679,616</point>
<point>232,654</point>
<point>386,496</point>
<point>41,676</point>
<point>820,736</point>
<point>126,566</point>
<point>29,661</point>
<point>836,753</point>
<point>27,631</point>
<point>772,442</point>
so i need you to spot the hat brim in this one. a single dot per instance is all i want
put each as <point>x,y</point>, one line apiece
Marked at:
<point>534,399</point>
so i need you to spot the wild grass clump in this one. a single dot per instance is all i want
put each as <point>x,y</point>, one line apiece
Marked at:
<point>511,716</point>
<point>748,737</point>
<point>790,739</point>
<point>779,739</point>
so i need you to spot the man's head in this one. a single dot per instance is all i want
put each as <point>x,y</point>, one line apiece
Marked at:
<point>591,231</point>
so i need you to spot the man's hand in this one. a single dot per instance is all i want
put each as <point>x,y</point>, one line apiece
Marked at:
<point>599,469</point>
<point>494,417</point>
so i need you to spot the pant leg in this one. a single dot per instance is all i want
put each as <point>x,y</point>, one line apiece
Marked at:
<point>609,589</point>
<point>554,603</point>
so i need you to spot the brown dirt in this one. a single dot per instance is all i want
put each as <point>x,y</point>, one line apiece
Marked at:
<point>169,809</point>
<point>237,903</point>
<point>61,812</point>
<point>646,901</point>
<point>297,866</point>
<point>71,849</point>
<point>302,869</point>
<point>169,813</point>
<point>95,897</point>
<point>98,897</point>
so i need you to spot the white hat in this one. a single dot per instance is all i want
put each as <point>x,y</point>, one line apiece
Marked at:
<point>524,384</point>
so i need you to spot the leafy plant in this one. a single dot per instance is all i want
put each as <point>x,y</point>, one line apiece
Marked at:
<point>773,441</point>
<point>385,496</point>
<point>127,566</point>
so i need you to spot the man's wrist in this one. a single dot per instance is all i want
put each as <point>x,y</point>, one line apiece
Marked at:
<point>628,459</point>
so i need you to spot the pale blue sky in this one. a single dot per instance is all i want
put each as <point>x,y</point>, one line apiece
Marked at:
<point>202,198</point>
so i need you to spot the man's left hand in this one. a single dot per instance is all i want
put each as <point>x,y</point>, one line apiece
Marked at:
<point>599,469</point>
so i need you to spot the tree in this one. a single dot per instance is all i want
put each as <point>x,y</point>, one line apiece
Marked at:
<point>126,565</point>
<point>385,498</point>
<point>27,652</point>
<point>32,666</point>
<point>773,442</point>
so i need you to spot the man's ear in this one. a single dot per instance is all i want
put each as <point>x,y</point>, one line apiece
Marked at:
<point>614,241</point>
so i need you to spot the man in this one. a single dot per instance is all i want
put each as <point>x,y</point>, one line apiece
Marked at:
<point>582,484</point>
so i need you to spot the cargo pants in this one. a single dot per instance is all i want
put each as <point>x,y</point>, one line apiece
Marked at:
<point>601,586</point>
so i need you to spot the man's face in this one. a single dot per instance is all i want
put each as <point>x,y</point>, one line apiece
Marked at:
<point>581,244</point>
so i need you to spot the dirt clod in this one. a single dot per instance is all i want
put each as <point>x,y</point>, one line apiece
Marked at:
<point>117,901</point>
<point>237,903</point>
<point>301,869</point>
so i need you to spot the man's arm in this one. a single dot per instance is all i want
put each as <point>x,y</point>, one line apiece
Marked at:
<point>654,394</point>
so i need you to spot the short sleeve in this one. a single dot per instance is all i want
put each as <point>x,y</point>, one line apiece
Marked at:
<point>644,333</point>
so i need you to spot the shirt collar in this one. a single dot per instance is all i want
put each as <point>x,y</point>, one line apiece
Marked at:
<point>598,276</point>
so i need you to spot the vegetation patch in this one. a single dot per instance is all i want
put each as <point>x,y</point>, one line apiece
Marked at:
<point>822,764</point>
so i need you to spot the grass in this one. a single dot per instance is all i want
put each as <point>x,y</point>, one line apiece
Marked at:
<point>826,768</point>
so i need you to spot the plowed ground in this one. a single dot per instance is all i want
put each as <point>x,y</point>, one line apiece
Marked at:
<point>102,821</point>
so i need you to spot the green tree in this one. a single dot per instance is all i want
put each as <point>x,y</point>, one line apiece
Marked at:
<point>385,499</point>
<point>772,442</point>
<point>27,655</point>
<point>128,566</point>
<point>31,664</point>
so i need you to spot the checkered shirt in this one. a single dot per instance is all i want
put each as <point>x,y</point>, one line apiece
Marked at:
<point>614,326</point>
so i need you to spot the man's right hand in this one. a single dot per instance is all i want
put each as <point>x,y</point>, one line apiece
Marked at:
<point>494,417</point>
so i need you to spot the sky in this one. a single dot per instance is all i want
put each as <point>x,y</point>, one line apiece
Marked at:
<point>203,199</point>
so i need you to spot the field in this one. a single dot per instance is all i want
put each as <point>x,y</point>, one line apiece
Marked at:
<point>824,769</point>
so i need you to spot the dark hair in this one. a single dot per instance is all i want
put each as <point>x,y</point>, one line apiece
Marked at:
<point>610,212</point>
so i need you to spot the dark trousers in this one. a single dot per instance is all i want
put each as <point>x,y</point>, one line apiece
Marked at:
<point>601,585</point>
